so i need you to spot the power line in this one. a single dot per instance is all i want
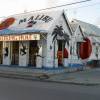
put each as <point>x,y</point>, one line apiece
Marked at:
<point>84,6</point>
<point>64,5</point>
<point>73,3</point>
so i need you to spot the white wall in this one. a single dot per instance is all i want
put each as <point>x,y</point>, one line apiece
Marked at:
<point>56,59</point>
<point>40,56</point>
<point>50,52</point>
<point>50,62</point>
<point>98,52</point>
<point>94,52</point>
<point>44,52</point>
<point>23,59</point>
<point>93,57</point>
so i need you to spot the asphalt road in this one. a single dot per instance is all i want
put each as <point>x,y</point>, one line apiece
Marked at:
<point>19,89</point>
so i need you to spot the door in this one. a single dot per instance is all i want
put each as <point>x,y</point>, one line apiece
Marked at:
<point>15,53</point>
<point>33,50</point>
<point>60,55</point>
<point>1,46</point>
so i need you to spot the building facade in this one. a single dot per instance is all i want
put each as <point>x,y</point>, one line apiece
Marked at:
<point>37,39</point>
<point>43,39</point>
<point>89,50</point>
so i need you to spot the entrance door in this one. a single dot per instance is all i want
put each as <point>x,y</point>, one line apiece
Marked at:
<point>61,46</point>
<point>33,50</point>
<point>15,53</point>
<point>1,46</point>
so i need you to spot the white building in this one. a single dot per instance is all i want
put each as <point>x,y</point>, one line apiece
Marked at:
<point>91,32</point>
<point>42,39</point>
<point>35,39</point>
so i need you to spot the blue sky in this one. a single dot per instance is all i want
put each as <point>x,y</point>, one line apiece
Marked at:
<point>88,12</point>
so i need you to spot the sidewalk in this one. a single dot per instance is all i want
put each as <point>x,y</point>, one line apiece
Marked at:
<point>33,71</point>
<point>87,77</point>
<point>83,76</point>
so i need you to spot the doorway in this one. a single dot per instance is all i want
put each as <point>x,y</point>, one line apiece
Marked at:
<point>60,55</point>
<point>15,53</point>
<point>33,50</point>
<point>1,46</point>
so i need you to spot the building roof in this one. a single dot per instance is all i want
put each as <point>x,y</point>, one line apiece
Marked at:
<point>86,27</point>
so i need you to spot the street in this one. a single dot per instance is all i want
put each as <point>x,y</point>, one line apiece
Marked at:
<point>19,89</point>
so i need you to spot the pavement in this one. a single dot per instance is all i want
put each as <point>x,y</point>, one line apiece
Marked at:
<point>87,77</point>
<point>83,76</point>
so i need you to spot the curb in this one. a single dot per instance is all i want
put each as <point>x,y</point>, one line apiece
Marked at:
<point>75,83</point>
<point>30,77</point>
<point>44,77</point>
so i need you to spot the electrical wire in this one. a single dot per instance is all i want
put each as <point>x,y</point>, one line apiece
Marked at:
<point>73,3</point>
<point>98,3</point>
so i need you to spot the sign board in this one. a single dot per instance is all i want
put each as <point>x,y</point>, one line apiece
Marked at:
<point>40,20</point>
<point>21,37</point>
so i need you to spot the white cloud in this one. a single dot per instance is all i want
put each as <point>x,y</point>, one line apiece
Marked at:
<point>9,7</point>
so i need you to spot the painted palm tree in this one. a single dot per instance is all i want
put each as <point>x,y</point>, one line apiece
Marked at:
<point>59,31</point>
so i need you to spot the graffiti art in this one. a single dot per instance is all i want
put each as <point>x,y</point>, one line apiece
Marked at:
<point>23,50</point>
<point>6,51</point>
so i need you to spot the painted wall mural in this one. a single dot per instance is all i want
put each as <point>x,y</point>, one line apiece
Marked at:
<point>62,50</point>
<point>58,30</point>
<point>6,52</point>
<point>6,23</point>
<point>85,49</point>
<point>23,50</point>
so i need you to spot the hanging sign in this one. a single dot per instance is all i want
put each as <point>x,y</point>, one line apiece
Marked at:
<point>24,37</point>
